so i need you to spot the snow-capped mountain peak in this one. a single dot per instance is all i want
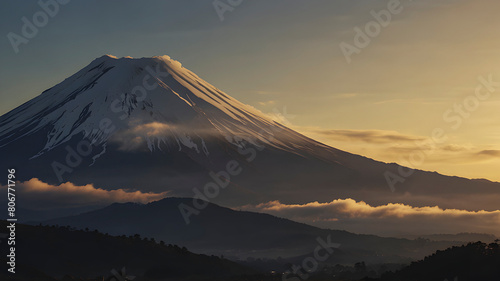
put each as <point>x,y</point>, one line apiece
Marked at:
<point>153,100</point>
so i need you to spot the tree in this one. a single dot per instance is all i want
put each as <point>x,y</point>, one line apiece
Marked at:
<point>360,267</point>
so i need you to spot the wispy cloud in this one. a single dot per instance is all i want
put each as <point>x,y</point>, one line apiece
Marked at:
<point>368,136</point>
<point>140,133</point>
<point>39,195</point>
<point>153,129</point>
<point>345,96</point>
<point>265,93</point>
<point>396,147</point>
<point>362,217</point>
<point>422,101</point>
<point>267,103</point>
<point>489,153</point>
<point>350,208</point>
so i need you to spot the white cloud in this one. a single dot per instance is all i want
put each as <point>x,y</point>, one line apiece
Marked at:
<point>36,194</point>
<point>389,219</point>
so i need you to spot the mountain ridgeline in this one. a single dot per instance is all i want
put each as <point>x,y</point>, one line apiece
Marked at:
<point>240,234</point>
<point>150,124</point>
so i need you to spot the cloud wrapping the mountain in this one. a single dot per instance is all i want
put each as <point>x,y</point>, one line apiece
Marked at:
<point>153,129</point>
<point>141,133</point>
<point>39,195</point>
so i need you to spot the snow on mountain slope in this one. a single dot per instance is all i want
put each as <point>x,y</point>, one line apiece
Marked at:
<point>155,98</point>
<point>155,126</point>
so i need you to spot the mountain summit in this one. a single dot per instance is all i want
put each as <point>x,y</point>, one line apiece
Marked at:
<point>156,97</point>
<point>150,124</point>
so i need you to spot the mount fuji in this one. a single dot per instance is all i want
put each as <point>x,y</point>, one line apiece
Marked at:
<point>150,124</point>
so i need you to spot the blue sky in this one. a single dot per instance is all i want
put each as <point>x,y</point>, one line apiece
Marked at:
<point>256,36</point>
<point>274,54</point>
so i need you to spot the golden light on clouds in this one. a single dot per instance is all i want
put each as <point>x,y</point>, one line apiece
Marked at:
<point>153,129</point>
<point>394,217</point>
<point>40,195</point>
<point>453,156</point>
<point>351,208</point>
<point>426,61</point>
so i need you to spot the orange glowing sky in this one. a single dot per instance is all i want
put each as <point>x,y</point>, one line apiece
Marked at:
<point>277,54</point>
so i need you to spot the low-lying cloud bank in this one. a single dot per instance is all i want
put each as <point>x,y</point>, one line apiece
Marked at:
<point>37,195</point>
<point>390,219</point>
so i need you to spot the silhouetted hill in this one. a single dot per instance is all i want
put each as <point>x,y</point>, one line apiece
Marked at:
<point>472,262</point>
<point>60,251</point>
<point>240,234</point>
